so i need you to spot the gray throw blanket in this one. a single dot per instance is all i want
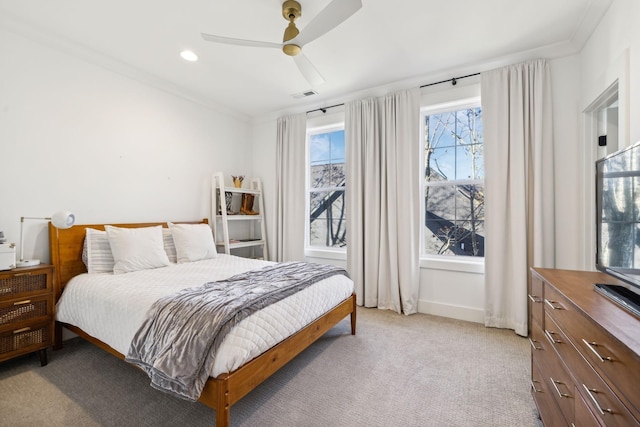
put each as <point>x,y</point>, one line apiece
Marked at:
<point>176,343</point>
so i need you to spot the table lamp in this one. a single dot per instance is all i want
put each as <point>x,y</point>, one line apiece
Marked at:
<point>62,220</point>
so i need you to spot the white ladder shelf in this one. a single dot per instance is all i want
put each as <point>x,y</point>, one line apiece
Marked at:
<point>222,218</point>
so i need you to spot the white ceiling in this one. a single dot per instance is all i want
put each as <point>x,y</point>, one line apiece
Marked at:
<point>384,42</point>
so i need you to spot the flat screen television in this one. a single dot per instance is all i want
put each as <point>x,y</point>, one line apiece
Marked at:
<point>618,225</point>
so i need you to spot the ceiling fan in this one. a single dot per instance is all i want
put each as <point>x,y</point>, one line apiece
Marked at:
<point>293,41</point>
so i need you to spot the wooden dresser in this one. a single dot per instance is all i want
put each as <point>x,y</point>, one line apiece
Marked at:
<point>26,311</point>
<point>585,352</point>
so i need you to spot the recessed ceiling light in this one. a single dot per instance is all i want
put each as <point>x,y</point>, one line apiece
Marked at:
<point>187,55</point>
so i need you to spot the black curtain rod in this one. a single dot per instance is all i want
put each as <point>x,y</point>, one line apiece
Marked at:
<point>324,109</point>
<point>453,81</point>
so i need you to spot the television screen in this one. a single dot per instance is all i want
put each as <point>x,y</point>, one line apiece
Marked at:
<point>618,215</point>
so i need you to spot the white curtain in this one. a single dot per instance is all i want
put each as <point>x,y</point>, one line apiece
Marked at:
<point>290,187</point>
<point>519,199</point>
<point>383,200</point>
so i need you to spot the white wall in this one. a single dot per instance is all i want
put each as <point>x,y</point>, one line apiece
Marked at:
<point>565,84</point>
<point>77,136</point>
<point>611,54</point>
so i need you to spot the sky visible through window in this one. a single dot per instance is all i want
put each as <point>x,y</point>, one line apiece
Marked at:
<point>327,148</point>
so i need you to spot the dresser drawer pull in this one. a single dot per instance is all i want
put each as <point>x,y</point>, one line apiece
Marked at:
<point>551,338</point>
<point>533,386</point>
<point>17,331</point>
<point>22,274</point>
<point>27,301</point>
<point>555,385</point>
<point>534,298</point>
<point>592,346</point>
<point>590,392</point>
<point>551,303</point>
<point>533,344</point>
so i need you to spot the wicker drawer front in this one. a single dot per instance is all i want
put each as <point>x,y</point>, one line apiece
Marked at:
<point>23,339</point>
<point>24,310</point>
<point>22,283</point>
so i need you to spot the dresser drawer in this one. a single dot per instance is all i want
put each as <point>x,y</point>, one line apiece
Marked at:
<point>615,363</point>
<point>547,407</point>
<point>31,309</point>
<point>25,340</point>
<point>537,340</point>
<point>601,398</point>
<point>583,416</point>
<point>536,301</point>
<point>18,283</point>
<point>560,383</point>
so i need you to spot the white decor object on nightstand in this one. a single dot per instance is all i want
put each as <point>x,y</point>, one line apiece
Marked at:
<point>61,219</point>
<point>7,256</point>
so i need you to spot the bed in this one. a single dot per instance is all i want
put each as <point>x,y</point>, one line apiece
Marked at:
<point>224,388</point>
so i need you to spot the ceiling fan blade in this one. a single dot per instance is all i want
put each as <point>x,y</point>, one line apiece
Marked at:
<point>239,42</point>
<point>330,17</point>
<point>307,69</point>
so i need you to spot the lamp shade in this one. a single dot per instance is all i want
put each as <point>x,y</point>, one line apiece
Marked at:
<point>63,219</point>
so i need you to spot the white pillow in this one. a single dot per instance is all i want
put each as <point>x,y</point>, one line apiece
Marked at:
<point>97,255</point>
<point>136,249</point>
<point>194,242</point>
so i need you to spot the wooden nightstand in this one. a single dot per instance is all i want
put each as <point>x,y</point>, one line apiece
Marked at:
<point>26,311</point>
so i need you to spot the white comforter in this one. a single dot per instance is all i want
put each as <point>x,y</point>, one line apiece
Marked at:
<point>112,307</point>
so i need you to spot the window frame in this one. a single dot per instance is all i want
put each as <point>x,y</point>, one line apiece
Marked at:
<point>473,264</point>
<point>319,251</point>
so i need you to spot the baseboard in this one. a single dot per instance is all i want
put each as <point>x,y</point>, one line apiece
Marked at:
<point>469,314</point>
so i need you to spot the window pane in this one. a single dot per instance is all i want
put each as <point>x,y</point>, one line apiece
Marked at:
<point>322,234</point>
<point>441,164</point>
<point>469,202</point>
<point>469,162</point>
<point>320,149</point>
<point>440,202</point>
<point>441,130</point>
<point>454,238</point>
<point>326,152</point>
<point>469,153</point>
<point>327,219</point>
<point>327,175</point>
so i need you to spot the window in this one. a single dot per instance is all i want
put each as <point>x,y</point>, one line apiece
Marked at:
<point>326,221</point>
<point>453,180</point>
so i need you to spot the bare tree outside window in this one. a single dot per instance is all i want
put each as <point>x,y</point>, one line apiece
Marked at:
<point>454,183</point>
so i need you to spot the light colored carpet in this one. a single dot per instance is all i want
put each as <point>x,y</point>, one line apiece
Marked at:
<point>398,370</point>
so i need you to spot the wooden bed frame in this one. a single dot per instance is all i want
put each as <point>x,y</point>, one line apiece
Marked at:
<point>223,391</point>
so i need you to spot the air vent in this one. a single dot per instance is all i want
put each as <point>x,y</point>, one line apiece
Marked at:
<point>304,94</point>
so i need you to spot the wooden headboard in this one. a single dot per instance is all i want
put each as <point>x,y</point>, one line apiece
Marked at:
<point>66,249</point>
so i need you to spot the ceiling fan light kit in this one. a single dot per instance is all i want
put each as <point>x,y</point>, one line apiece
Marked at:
<point>293,41</point>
